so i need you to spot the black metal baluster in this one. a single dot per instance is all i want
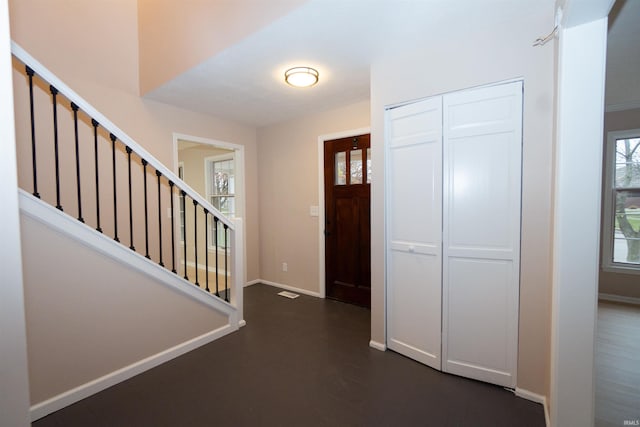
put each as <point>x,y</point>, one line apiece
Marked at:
<point>173,232</point>
<point>195,237</point>
<point>146,220</point>
<point>206,248</point>
<point>115,194</point>
<point>184,234</point>
<point>94,123</point>
<point>74,107</point>
<point>159,175</point>
<point>215,241</point>
<point>226,251</point>
<point>33,133</point>
<point>133,248</point>
<point>54,94</point>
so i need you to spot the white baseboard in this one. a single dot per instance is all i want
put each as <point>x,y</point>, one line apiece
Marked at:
<point>290,288</point>
<point>534,397</point>
<point>622,107</point>
<point>377,345</point>
<point>76,394</point>
<point>547,418</point>
<point>252,282</point>
<point>619,298</point>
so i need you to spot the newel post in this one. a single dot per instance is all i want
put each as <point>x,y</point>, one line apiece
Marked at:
<point>237,268</point>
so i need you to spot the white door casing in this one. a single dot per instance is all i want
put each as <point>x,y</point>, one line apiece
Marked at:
<point>414,230</point>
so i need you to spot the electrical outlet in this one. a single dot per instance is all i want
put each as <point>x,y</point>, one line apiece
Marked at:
<point>285,267</point>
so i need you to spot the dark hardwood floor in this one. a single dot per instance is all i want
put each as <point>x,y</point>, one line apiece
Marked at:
<point>302,362</point>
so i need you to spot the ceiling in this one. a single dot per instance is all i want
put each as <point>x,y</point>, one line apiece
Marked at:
<point>623,56</point>
<point>341,39</point>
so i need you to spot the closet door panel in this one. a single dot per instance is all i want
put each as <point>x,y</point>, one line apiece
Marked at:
<point>413,194</point>
<point>478,318</point>
<point>480,174</point>
<point>482,138</point>
<point>415,303</point>
<point>414,230</point>
<point>415,123</point>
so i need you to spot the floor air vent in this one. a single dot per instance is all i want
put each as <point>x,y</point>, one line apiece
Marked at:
<point>288,294</point>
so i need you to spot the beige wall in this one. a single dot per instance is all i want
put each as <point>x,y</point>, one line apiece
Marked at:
<point>288,171</point>
<point>101,319</point>
<point>498,54</point>
<point>177,35</point>
<point>625,285</point>
<point>78,41</point>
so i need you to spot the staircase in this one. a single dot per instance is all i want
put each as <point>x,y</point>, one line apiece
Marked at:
<point>117,212</point>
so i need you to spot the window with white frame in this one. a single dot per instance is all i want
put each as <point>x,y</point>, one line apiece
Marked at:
<point>621,225</point>
<point>220,183</point>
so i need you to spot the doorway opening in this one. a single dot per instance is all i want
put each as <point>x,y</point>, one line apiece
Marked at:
<point>215,170</point>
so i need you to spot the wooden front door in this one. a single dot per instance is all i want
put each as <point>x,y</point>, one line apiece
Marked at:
<point>347,183</point>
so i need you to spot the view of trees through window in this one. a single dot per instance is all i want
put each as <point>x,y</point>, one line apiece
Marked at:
<point>627,201</point>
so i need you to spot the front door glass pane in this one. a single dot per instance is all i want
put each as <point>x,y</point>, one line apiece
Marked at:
<point>368,165</point>
<point>356,166</point>
<point>341,168</point>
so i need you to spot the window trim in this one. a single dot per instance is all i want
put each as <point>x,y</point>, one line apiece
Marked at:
<point>207,189</point>
<point>608,213</point>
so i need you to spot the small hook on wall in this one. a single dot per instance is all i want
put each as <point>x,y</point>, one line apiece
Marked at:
<point>541,41</point>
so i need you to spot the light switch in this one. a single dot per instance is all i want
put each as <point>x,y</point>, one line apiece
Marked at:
<point>314,211</point>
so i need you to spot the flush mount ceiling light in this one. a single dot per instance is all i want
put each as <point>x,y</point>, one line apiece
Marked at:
<point>301,76</point>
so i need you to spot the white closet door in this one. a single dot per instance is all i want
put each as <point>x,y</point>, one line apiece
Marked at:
<point>482,140</point>
<point>414,230</point>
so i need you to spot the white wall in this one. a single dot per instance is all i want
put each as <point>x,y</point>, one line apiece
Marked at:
<point>14,403</point>
<point>576,237</point>
<point>476,58</point>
